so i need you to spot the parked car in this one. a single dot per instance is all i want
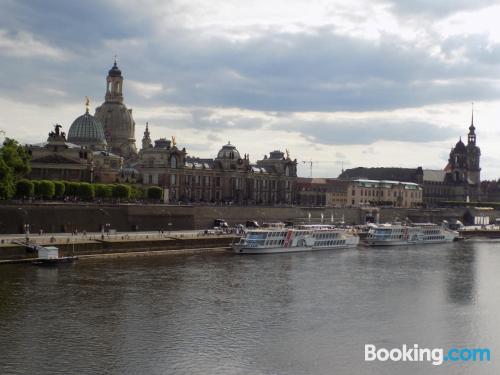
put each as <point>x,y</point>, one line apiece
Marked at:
<point>220,223</point>
<point>252,224</point>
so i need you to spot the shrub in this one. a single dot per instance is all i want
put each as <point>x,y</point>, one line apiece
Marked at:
<point>60,188</point>
<point>36,188</point>
<point>46,189</point>
<point>137,192</point>
<point>25,188</point>
<point>155,192</point>
<point>86,191</point>
<point>121,191</point>
<point>71,188</point>
<point>103,190</point>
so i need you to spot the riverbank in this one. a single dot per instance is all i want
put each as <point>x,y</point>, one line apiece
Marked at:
<point>120,245</point>
<point>55,217</point>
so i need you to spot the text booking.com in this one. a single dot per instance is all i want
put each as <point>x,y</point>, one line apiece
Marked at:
<point>436,356</point>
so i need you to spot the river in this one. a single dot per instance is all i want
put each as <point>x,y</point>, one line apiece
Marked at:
<point>297,314</point>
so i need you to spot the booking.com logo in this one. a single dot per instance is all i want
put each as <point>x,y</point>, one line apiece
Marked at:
<point>436,356</point>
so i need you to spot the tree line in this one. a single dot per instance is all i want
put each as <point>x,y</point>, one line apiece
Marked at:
<point>48,189</point>
<point>15,165</point>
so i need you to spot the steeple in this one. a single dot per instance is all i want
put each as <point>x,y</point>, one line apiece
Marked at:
<point>146,140</point>
<point>114,87</point>
<point>471,137</point>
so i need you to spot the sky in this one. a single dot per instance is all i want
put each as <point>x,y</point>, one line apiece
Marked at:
<point>337,82</point>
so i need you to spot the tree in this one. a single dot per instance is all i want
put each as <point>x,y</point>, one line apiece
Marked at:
<point>16,157</point>
<point>103,191</point>
<point>155,192</point>
<point>36,188</point>
<point>86,191</point>
<point>121,191</point>
<point>14,164</point>
<point>7,187</point>
<point>46,189</point>
<point>71,188</point>
<point>60,188</point>
<point>25,188</point>
<point>137,192</point>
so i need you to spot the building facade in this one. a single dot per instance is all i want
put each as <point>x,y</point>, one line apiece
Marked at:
<point>459,180</point>
<point>384,193</point>
<point>329,192</point>
<point>357,193</point>
<point>228,178</point>
<point>81,157</point>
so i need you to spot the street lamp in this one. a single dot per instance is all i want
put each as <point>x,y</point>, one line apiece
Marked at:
<point>25,225</point>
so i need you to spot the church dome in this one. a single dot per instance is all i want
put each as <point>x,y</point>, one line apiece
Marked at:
<point>460,146</point>
<point>86,130</point>
<point>228,152</point>
<point>115,71</point>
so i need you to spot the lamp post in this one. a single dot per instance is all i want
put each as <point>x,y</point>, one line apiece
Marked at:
<point>26,225</point>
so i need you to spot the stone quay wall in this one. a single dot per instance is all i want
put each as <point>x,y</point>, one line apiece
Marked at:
<point>56,218</point>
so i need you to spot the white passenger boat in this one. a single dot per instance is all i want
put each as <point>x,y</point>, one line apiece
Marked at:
<point>400,234</point>
<point>302,238</point>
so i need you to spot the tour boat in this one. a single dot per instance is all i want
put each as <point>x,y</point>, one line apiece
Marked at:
<point>288,240</point>
<point>400,234</point>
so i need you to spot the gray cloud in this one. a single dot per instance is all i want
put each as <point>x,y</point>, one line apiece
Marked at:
<point>272,71</point>
<point>365,132</point>
<point>319,71</point>
<point>437,9</point>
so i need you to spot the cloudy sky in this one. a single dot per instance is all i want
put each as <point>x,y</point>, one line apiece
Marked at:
<point>339,82</point>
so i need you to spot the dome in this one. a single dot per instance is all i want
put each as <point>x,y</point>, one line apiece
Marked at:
<point>115,71</point>
<point>228,152</point>
<point>86,131</point>
<point>276,154</point>
<point>460,146</point>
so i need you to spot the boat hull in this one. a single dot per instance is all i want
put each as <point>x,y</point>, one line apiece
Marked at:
<point>241,249</point>
<point>403,243</point>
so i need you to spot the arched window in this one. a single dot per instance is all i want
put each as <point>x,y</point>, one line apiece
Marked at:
<point>287,170</point>
<point>173,162</point>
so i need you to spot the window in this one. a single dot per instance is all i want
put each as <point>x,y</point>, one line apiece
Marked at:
<point>173,162</point>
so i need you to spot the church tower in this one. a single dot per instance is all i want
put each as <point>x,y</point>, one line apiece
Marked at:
<point>146,140</point>
<point>114,85</point>
<point>473,156</point>
<point>116,118</point>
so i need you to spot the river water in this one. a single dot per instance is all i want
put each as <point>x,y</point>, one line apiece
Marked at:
<point>302,313</point>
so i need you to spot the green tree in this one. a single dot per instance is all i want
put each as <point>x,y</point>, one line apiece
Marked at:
<point>86,191</point>
<point>121,191</point>
<point>14,164</point>
<point>137,192</point>
<point>36,188</point>
<point>155,192</point>
<point>46,189</point>
<point>25,188</point>
<point>7,187</point>
<point>103,191</point>
<point>60,188</point>
<point>71,188</point>
<point>16,157</point>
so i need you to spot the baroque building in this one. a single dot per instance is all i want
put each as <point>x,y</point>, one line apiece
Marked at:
<point>228,178</point>
<point>459,180</point>
<point>116,118</point>
<point>80,157</point>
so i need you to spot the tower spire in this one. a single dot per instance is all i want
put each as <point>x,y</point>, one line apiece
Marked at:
<point>471,137</point>
<point>472,117</point>
<point>146,140</point>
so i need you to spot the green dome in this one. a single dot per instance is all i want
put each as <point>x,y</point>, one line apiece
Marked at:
<point>86,130</point>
